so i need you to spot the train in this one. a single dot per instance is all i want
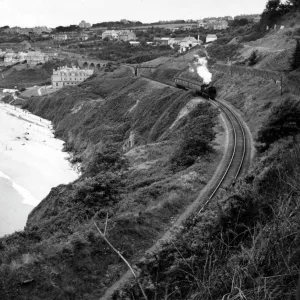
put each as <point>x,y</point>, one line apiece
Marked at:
<point>204,90</point>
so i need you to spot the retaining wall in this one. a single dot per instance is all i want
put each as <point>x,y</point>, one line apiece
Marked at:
<point>291,87</point>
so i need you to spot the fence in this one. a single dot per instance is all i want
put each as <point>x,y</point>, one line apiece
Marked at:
<point>292,87</point>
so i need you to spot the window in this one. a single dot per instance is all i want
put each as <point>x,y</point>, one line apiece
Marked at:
<point>56,83</point>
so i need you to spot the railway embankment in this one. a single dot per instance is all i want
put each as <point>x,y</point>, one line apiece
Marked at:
<point>141,193</point>
<point>235,161</point>
<point>245,242</point>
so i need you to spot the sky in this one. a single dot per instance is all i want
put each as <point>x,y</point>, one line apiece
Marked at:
<point>53,13</point>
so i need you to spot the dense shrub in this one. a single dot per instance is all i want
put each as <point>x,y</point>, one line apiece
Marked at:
<point>284,121</point>
<point>105,161</point>
<point>253,58</point>
<point>196,138</point>
<point>245,244</point>
<point>223,52</point>
<point>295,61</point>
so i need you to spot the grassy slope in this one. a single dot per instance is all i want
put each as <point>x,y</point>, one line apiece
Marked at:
<point>246,244</point>
<point>59,255</point>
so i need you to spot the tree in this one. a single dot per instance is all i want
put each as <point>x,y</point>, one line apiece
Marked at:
<point>294,3</point>
<point>284,121</point>
<point>295,61</point>
<point>253,58</point>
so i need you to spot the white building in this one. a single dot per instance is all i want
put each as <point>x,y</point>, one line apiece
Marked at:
<point>188,43</point>
<point>121,35</point>
<point>11,58</point>
<point>84,24</point>
<point>36,57</point>
<point>210,38</point>
<point>134,43</point>
<point>220,25</point>
<point>201,23</point>
<point>60,37</point>
<point>64,76</point>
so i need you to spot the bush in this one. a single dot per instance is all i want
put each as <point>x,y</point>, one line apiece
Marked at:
<point>197,136</point>
<point>253,58</point>
<point>283,121</point>
<point>223,52</point>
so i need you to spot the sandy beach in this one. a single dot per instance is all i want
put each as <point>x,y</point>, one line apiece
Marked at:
<point>31,163</point>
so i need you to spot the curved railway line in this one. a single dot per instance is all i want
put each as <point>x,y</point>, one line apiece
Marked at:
<point>238,150</point>
<point>235,161</point>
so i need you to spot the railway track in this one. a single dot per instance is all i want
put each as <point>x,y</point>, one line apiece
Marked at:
<point>237,151</point>
<point>235,161</point>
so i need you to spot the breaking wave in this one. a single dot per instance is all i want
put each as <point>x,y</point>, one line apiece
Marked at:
<point>25,194</point>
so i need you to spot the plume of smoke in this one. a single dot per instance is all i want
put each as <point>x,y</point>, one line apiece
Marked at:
<point>202,70</point>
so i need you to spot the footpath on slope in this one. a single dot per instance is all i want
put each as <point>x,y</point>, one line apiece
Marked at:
<point>197,202</point>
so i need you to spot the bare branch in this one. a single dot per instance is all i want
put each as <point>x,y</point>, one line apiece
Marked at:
<point>123,258</point>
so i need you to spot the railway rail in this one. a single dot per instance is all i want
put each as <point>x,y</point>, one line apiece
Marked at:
<point>236,160</point>
<point>237,152</point>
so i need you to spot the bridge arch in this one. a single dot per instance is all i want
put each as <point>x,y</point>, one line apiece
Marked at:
<point>92,66</point>
<point>98,67</point>
<point>85,65</point>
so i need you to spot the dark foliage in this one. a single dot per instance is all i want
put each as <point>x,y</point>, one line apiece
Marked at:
<point>295,61</point>
<point>274,11</point>
<point>242,240</point>
<point>223,52</point>
<point>107,160</point>
<point>253,58</point>
<point>67,28</point>
<point>283,121</point>
<point>240,22</point>
<point>196,138</point>
<point>99,191</point>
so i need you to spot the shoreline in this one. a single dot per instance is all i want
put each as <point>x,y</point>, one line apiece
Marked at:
<point>31,163</point>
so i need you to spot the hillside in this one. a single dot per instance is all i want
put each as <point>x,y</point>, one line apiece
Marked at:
<point>141,187</point>
<point>146,150</point>
<point>245,245</point>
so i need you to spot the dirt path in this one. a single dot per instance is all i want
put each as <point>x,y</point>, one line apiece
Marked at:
<point>193,206</point>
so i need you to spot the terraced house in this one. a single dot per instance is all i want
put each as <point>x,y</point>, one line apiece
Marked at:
<point>36,57</point>
<point>64,76</point>
<point>121,35</point>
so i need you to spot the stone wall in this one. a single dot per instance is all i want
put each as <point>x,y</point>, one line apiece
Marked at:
<point>292,87</point>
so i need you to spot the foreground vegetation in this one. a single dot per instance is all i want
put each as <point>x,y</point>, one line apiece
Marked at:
<point>245,245</point>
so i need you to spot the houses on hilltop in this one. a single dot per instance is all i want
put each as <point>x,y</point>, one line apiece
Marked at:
<point>26,31</point>
<point>31,56</point>
<point>120,35</point>
<point>214,24</point>
<point>36,57</point>
<point>64,36</point>
<point>184,43</point>
<point>84,25</point>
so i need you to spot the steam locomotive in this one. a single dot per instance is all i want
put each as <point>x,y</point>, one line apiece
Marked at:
<point>204,90</point>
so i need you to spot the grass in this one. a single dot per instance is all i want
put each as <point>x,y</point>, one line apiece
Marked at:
<point>244,246</point>
<point>59,254</point>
